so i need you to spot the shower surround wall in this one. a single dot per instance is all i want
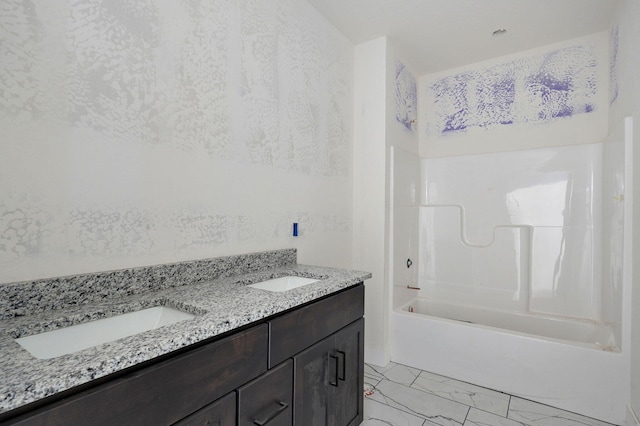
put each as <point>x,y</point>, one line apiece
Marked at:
<point>520,210</point>
<point>517,231</point>
<point>566,339</point>
<point>627,102</point>
<point>535,231</point>
<point>148,132</point>
<point>524,225</point>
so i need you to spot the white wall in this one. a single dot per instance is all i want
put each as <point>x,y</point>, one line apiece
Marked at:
<point>403,174</point>
<point>625,101</point>
<point>550,96</point>
<point>403,177</point>
<point>382,118</point>
<point>138,133</point>
<point>369,196</point>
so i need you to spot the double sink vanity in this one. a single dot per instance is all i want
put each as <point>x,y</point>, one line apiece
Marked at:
<point>242,340</point>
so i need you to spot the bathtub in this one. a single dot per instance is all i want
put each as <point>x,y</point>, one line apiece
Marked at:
<point>573,365</point>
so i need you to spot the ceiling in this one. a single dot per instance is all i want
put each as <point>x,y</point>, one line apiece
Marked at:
<point>436,35</point>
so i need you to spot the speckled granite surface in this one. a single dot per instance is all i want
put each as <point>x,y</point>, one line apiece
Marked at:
<point>215,290</point>
<point>55,293</point>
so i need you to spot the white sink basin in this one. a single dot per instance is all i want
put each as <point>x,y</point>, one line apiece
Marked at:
<point>283,283</point>
<point>74,338</point>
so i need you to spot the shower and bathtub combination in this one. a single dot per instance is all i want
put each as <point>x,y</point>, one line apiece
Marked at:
<point>512,271</point>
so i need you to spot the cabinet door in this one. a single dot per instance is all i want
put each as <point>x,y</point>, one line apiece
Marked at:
<point>346,398</point>
<point>219,413</point>
<point>267,400</point>
<point>311,384</point>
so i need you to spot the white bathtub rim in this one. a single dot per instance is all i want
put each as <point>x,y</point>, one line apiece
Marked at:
<point>507,311</point>
<point>403,310</point>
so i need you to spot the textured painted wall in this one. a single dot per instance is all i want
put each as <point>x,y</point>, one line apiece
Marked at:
<point>557,84</point>
<point>143,131</point>
<point>406,97</point>
<point>539,98</point>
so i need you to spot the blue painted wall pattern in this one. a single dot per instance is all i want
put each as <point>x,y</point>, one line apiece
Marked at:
<point>560,83</point>
<point>406,97</point>
<point>496,96</point>
<point>451,100</point>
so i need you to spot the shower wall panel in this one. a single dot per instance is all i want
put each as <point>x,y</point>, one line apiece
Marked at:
<point>495,275</point>
<point>551,196</point>
<point>405,197</point>
<point>613,231</point>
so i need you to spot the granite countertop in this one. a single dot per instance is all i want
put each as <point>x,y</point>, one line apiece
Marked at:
<point>221,304</point>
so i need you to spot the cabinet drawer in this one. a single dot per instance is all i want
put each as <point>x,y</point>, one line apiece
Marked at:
<point>268,400</point>
<point>219,413</point>
<point>297,330</point>
<point>166,392</point>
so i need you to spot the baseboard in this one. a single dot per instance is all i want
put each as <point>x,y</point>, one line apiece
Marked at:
<point>632,418</point>
<point>378,357</point>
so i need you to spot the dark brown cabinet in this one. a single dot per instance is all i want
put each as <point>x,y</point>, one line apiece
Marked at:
<point>311,381</point>
<point>329,380</point>
<point>297,330</point>
<point>304,367</point>
<point>268,399</point>
<point>346,396</point>
<point>219,413</point>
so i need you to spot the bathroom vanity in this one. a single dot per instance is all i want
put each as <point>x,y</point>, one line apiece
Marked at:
<point>301,363</point>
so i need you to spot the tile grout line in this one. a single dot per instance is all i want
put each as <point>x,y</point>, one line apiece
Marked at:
<point>463,403</point>
<point>466,415</point>
<point>416,378</point>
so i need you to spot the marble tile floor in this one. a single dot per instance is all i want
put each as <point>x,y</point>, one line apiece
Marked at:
<point>398,395</point>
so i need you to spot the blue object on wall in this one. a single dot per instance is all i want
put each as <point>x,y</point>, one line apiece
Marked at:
<point>295,229</point>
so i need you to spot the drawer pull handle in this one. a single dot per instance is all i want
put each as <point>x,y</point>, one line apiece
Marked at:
<point>335,376</point>
<point>283,406</point>
<point>343,370</point>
